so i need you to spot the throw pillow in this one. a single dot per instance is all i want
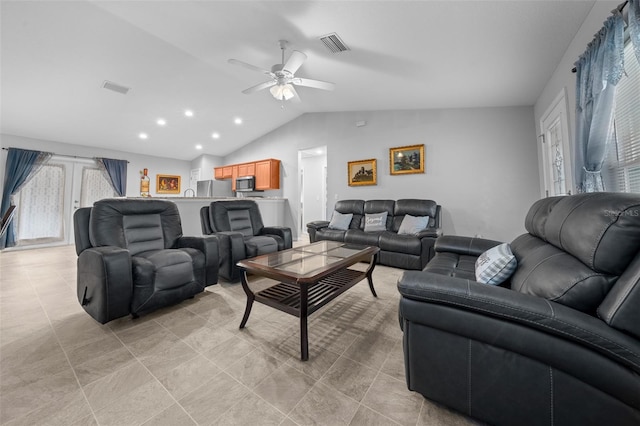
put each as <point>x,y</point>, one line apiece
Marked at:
<point>375,222</point>
<point>413,224</point>
<point>340,221</point>
<point>495,265</point>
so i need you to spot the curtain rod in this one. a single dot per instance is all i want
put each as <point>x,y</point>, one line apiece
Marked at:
<point>617,9</point>
<point>72,156</point>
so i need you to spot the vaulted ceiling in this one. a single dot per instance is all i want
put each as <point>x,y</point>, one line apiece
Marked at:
<point>55,56</point>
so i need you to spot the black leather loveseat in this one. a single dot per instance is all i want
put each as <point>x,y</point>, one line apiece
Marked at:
<point>406,251</point>
<point>556,344</point>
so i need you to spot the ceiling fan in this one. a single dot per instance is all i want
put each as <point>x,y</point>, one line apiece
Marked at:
<point>283,76</point>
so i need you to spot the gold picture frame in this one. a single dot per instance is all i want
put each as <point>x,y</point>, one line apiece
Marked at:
<point>362,172</point>
<point>167,184</point>
<point>404,160</point>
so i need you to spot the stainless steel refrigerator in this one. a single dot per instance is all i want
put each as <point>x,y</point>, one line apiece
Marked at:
<point>214,188</point>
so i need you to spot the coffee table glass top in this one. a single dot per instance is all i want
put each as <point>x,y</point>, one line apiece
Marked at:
<point>307,260</point>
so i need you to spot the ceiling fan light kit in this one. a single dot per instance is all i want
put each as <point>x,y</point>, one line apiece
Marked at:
<point>283,76</point>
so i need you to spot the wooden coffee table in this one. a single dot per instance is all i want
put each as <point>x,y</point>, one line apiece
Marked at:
<point>309,277</point>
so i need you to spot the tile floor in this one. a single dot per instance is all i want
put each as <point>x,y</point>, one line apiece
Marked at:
<point>191,365</point>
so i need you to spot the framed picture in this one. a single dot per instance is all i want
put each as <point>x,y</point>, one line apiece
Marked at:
<point>406,159</point>
<point>362,172</point>
<point>167,184</point>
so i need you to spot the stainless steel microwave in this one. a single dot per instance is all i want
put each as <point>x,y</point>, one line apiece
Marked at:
<point>245,183</point>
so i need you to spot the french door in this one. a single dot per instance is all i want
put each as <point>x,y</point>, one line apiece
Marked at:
<point>45,205</point>
<point>555,148</point>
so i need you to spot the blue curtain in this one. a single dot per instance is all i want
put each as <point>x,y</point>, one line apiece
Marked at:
<point>634,26</point>
<point>22,164</point>
<point>599,69</point>
<point>116,170</point>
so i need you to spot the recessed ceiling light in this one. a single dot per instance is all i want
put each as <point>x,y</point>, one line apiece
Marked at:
<point>237,120</point>
<point>161,121</point>
<point>215,135</point>
<point>198,146</point>
<point>188,113</point>
<point>143,136</point>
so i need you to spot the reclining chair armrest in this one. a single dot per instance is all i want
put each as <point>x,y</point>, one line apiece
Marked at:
<point>232,250</point>
<point>105,282</point>
<point>210,247</point>
<point>429,233</point>
<point>313,227</point>
<point>281,231</point>
<point>527,310</point>
<point>468,246</point>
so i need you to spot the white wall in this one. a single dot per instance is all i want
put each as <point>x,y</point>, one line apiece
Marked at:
<point>206,163</point>
<point>480,163</point>
<point>137,162</point>
<point>564,78</point>
<point>312,200</point>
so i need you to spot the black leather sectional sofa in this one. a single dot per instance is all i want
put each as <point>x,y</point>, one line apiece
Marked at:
<point>400,251</point>
<point>558,343</point>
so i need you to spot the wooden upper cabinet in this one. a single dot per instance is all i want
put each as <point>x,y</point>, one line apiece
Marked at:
<point>227,172</point>
<point>218,173</point>
<point>267,174</point>
<point>247,169</point>
<point>234,175</point>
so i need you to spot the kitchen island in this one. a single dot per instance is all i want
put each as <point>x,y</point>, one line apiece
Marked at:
<point>272,209</point>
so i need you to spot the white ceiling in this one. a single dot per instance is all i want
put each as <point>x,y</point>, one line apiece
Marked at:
<point>173,54</point>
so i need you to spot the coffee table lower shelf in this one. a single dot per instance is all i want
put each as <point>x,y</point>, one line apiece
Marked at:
<point>286,297</point>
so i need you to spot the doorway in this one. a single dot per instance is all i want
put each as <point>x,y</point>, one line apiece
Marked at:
<point>556,161</point>
<point>46,203</point>
<point>313,185</point>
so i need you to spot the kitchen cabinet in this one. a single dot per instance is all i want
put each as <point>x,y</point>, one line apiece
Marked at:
<point>267,174</point>
<point>234,175</point>
<point>227,172</point>
<point>247,169</point>
<point>218,173</point>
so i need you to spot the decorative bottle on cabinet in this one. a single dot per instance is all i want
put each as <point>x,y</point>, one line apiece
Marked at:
<point>144,183</point>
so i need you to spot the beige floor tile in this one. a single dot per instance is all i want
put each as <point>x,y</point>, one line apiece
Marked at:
<point>320,360</point>
<point>69,409</point>
<point>104,391</point>
<point>253,368</point>
<point>349,377</point>
<point>285,387</point>
<point>18,397</point>
<point>390,396</point>
<point>189,376</point>
<point>87,352</point>
<point>135,407</point>
<point>434,414</point>
<point>370,349</point>
<point>250,410</point>
<point>161,352</point>
<point>367,417</point>
<point>324,406</point>
<point>394,364</point>
<point>207,337</point>
<point>229,352</point>
<point>213,399</point>
<point>101,366</point>
<point>172,416</point>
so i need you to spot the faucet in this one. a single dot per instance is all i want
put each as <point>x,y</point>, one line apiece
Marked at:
<point>189,189</point>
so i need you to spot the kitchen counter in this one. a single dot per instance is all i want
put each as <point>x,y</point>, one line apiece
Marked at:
<point>272,210</point>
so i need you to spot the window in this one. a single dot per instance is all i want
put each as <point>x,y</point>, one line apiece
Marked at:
<point>621,171</point>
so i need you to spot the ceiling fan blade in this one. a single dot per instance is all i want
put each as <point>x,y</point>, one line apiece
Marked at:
<point>316,84</point>
<point>260,86</point>
<point>295,61</point>
<point>249,66</point>
<point>296,98</point>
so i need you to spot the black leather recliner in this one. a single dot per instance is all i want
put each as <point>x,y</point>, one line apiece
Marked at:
<point>132,258</point>
<point>558,344</point>
<point>239,228</point>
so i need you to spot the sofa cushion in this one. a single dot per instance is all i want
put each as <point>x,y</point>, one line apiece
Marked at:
<point>453,265</point>
<point>355,207</point>
<point>601,230</point>
<point>410,244</point>
<point>495,265</point>
<point>356,236</point>
<point>548,272</point>
<point>374,222</point>
<point>414,207</point>
<point>413,224</point>
<point>256,246</point>
<point>379,206</point>
<point>340,220</point>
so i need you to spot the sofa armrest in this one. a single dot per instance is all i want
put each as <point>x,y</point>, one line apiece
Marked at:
<point>468,246</point>
<point>313,227</point>
<point>210,247</point>
<point>511,306</point>
<point>281,231</point>
<point>232,250</point>
<point>105,282</point>
<point>429,233</point>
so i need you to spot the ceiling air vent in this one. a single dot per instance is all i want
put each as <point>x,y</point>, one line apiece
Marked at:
<point>334,43</point>
<point>115,87</point>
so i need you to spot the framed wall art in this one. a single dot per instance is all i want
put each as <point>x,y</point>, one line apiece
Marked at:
<point>167,184</point>
<point>406,159</point>
<point>362,172</point>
